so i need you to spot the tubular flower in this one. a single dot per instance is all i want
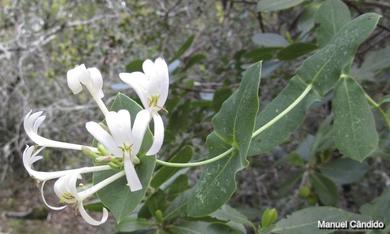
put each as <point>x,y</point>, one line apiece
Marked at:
<point>66,190</point>
<point>122,142</point>
<point>152,88</point>
<point>30,157</point>
<point>31,124</point>
<point>92,79</point>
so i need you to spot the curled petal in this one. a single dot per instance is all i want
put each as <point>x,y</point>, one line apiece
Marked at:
<point>91,220</point>
<point>29,158</point>
<point>31,124</point>
<point>141,123</point>
<point>44,200</point>
<point>38,122</point>
<point>131,175</point>
<point>103,137</point>
<point>158,136</point>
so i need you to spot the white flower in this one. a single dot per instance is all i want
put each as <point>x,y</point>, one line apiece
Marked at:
<point>122,141</point>
<point>30,157</point>
<point>66,190</point>
<point>92,79</point>
<point>152,88</point>
<point>32,122</point>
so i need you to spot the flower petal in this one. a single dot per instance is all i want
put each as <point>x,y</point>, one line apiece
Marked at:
<point>31,124</point>
<point>131,175</point>
<point>44,200</point>
<point>67,184</point>
<point>158,136</point>
<point>119,124</point>
<point>91,220</point>
<point>138,81</point>
<point>163,80</point>
<point>103,137</point>
<point>149,69</point>
<point>76,76</point>
<point>73,81</point>
<point>141,123</point>
<point>96,81</point>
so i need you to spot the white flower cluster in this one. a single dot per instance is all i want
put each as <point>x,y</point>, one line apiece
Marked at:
<point>119,141</point>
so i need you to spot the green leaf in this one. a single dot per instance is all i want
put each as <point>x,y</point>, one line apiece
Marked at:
<point>200,227</point>
<point>280,131</point>
<point>235,121</point>
<point>117,196</point>
<point>276,5</point>
<point>217,181</point>
<point>344,170</point>
<point>156,202</point>
<point>330,17</point>
<point>269,40</point>
<point>177,187</point>
<point>183,48</point>
<point>131,224</point>
<point>227,213</point>
<point>217,228</point>
<point>374,63</point>
<point>325,189</point>
<point>95,205</point>
<point>189,227</point>
<point>322,69</point>
<point>354,125</point>
<point>379,208</point>
<point>384,99</point>
<point>306,221</point>
<point>262,53</point>
<point>220,96</point>
<point>233,126</point>
<point>164,173</point>
<point>296,50</point>
<point>306,148</point>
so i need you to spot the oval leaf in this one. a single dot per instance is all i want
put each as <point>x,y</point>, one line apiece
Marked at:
<point>354,125</point>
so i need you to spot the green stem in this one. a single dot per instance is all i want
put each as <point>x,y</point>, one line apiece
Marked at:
<point>378,107</point>
<point>284,112</point>
<point>257,132</point>
<point>195,164</point>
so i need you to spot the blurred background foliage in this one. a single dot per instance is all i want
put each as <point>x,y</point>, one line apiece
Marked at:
<point>208,44</point>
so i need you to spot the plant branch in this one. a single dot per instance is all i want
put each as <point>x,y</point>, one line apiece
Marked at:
<point>378,107</point>
<point>257,132</point>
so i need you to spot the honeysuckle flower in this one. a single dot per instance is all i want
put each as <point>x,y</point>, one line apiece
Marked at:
<point>32,122</point>
<point>152,88</point>
<point>122,141</point>
<point>66,190</point>
<point>92,79</point>
<point>30,157</point>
